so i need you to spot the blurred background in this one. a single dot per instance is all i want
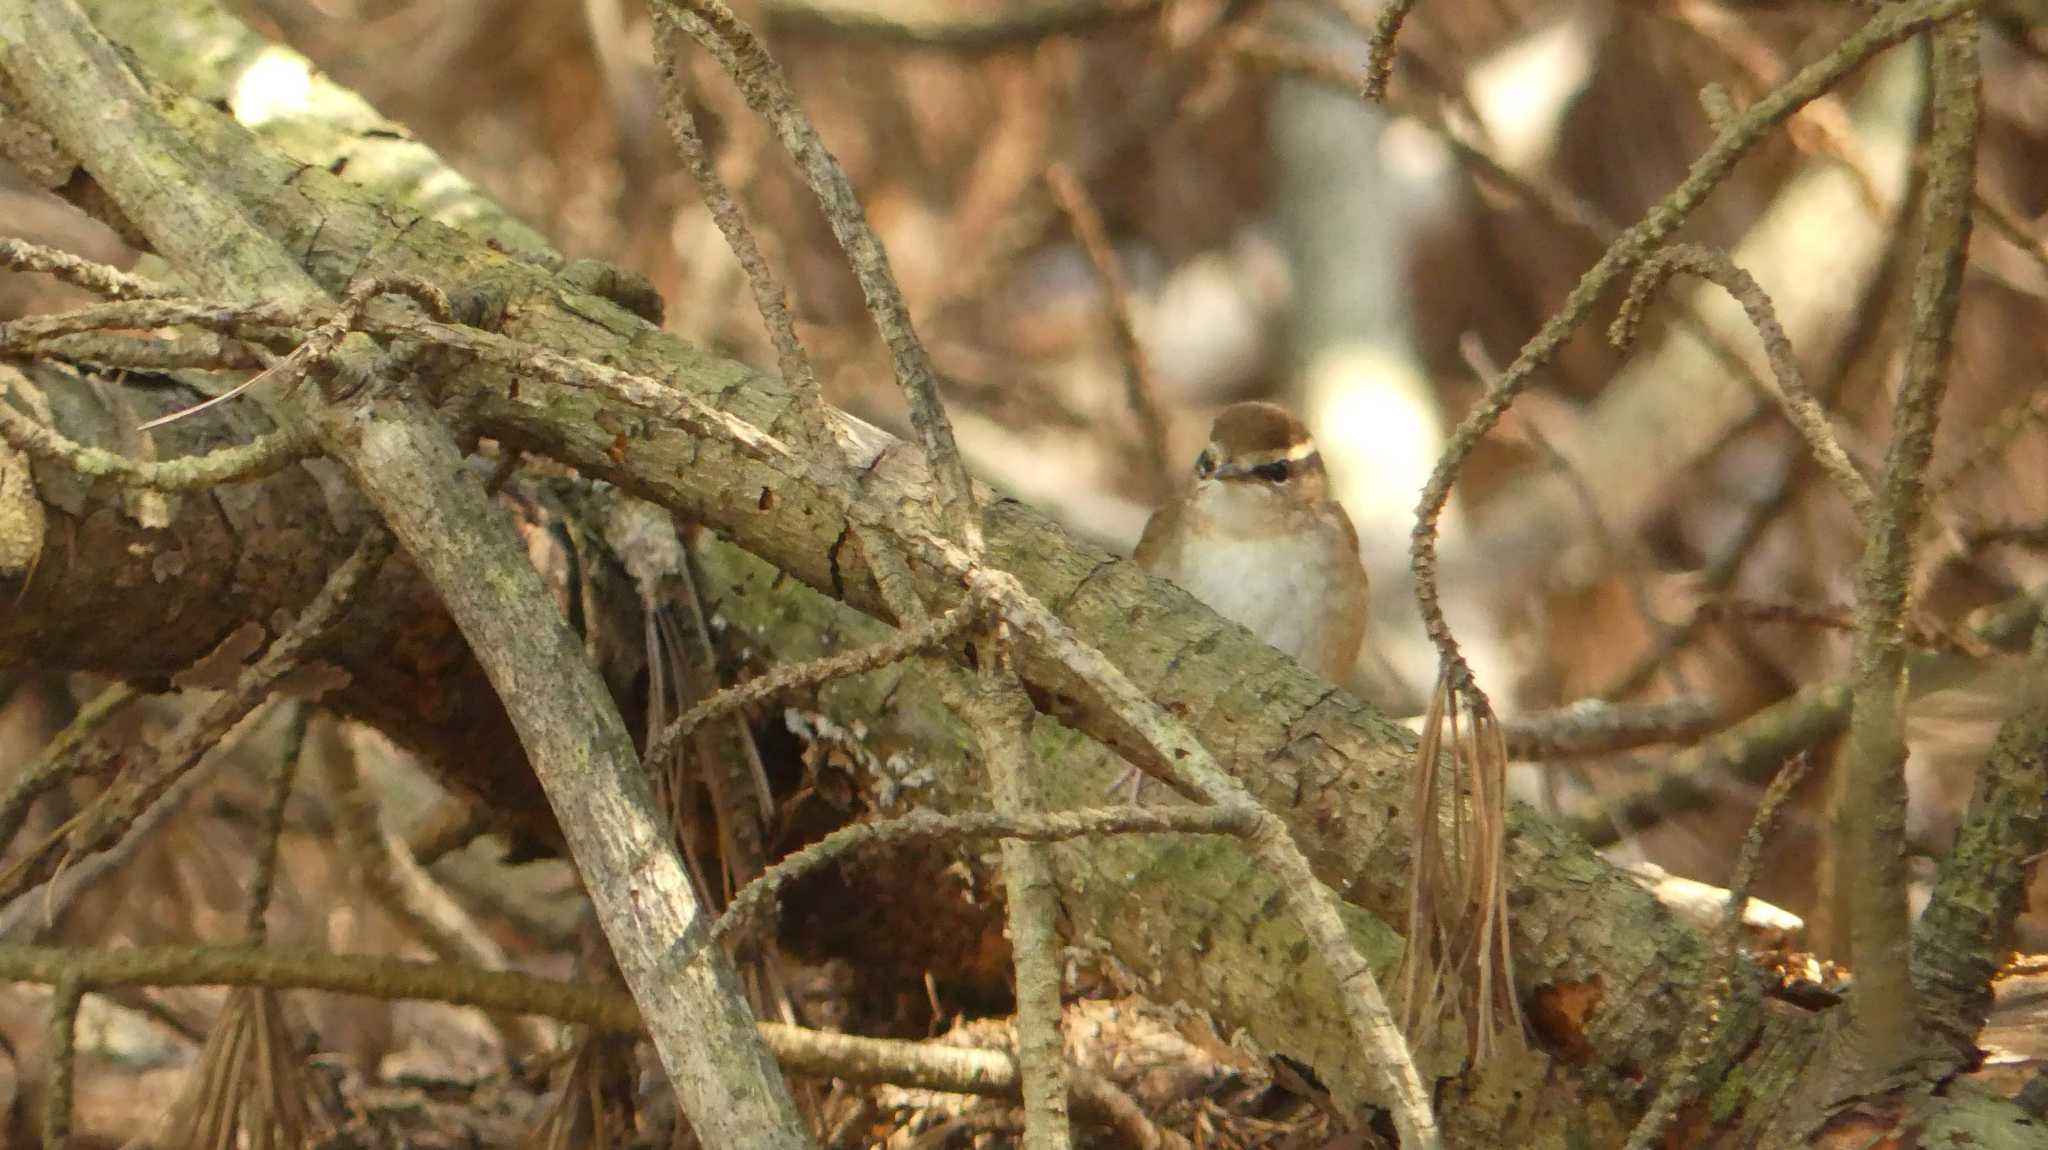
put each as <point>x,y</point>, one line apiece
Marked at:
<point>1620,537</point>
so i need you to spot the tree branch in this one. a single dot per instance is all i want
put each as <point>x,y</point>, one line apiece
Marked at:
<point>1870,825</point>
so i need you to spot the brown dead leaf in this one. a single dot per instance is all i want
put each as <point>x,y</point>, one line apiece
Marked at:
<point>218,669</point>
<point>1559,1012</point>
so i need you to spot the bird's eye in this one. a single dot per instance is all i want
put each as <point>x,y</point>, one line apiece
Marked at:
<point>1205,464</point>
<point>1274,472</point>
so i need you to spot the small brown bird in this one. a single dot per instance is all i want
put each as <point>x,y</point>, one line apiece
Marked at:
<point>1259,539</point>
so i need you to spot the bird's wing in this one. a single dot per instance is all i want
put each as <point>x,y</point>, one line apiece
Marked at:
<point>1159,530</point>
<point>1347,639</point>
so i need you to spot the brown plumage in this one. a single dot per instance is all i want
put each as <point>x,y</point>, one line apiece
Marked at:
<point>1258,539</point>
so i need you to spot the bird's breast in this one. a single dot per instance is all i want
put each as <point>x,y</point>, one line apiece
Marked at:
<point>1288,589</point>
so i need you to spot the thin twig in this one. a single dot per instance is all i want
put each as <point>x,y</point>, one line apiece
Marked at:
<point>1749,749</point>
<point>108,351</point>
<point>1140,389</point>
<point>22,256</point>
<point>1866,319</point>
<point>958,30</point>
<point>1379,66</point>
<point>995,704</point>
<point>319,346</point>
<point>751,905</point>
<point>1595,727</point>
<point>767,92</point>
<point>1553,202</point>
<point>645,393</point>
<point>2005,220</point>
<point>73,753</point>
<point>1141,121</point>
<point>67,996</point>
<point>397,883</point>
<point>1805,411</point>
<point>263,321</point>
<point>1992,441</point>
<point>792,676</point>
<point>36,913</point>
<point>261,457</point>
<point>769,298</point>
<point>270,822</point>
<point>1682,1079</point>
<point>1821,128</point>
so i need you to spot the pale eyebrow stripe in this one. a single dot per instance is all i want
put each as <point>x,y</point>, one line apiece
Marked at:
<point>1301,452</point>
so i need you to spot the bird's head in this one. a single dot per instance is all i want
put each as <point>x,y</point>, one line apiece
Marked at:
<point>1260,453</point>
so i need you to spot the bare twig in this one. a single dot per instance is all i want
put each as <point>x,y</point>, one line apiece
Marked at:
<point>639,391</point>
<point>994,702</point>
<point>262,321</point>
<point>23,256</point>
<point>1866,318</point>
<point>120,351</point>
<point>761,82</point>
<point>256,459</point>
<point>317,350</point>
<point>32,915</point>
<point>1379,68</point>
<point>1989,534</point>
<point>1992,441</point>
<point>298,968</point>
<point>1822,127</point>
<point>751,905</point>
<point>1750,751</point>
<point>960,30</point>
<point>1594,727</point>
<point>2005,220</point>
<point>72,753</point>
<point>1871,819</point>
<point>68,996</point>
<point>1140,390</point>
<point>1620,560</point>
<point>396,882</point>
<point>792,676</point>
<point>1549,200</point>
<point>1801,407</point>
<point>270,824</point>
<point>1140,121</point>
<point>769,298</point>
<point>1682,1079</point>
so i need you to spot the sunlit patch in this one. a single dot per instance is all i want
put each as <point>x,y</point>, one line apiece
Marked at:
<point>1376,423</point>
<point>1522,91</point>
<point>277,85</point>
